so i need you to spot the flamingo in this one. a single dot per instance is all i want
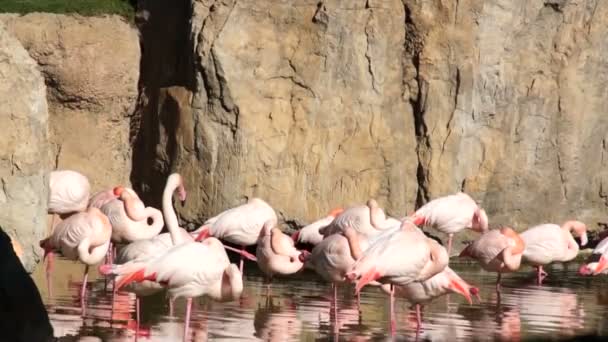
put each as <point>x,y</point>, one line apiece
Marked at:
<point>129,217</point>
<point>368,220</point>
<point>101,198</point>
<point>276,253</point>
<point>310,234</point>
<point>68,193</point>
<point>547,243</point>
<point>497,250</point>
<point>84,236</point>
<point>240,225</point>
<point>398,257</point>
<point>597,262</point>
<point>334,256</point>
<point>423,292</point>
<point>210,275</point>
<point>451,214</point>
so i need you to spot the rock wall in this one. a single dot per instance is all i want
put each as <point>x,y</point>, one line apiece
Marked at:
<point>91,67</point>
<point>24,148</point>
<point>313,104</point>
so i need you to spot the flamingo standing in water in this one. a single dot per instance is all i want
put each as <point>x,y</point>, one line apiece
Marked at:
<point>310,234</point>
<point>398,257</point>
<point>423,292</point>
<point>334,256</point>
<point>188,270</point>
<point>68,193</point>
<point>498,250</point>
<point>597,262</point>
<point>547,243</point>
<point>83,236</point>
<point>240,225</point>
<point>451,214</point>
<point>368,220</point>
<point>276,253</point>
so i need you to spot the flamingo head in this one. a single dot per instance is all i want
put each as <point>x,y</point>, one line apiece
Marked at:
<point>461,287</point>
<point>372,203</point>
<point>601,265</point>
<point>479,222</point>
<point>304,256</point>
<point>335,212</point>
<point>580,230</point>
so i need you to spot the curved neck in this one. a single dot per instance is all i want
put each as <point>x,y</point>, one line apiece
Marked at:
<point>134,207</point>
<point>149,231</point>
<point>169,212</point>
<point>94,256</point>
<point>512,260</point>
<point>275,241</point>
<point>353,243</point>
<point>438,260</point>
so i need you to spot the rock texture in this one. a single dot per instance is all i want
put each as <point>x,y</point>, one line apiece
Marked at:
<point>24,148</point>
<point>91,67</point>
<point>312,104</point>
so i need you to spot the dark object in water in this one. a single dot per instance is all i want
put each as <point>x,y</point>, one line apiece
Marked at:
<point>22,313</point>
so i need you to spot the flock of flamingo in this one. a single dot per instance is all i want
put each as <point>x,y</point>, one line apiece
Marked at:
<point>358,245</point>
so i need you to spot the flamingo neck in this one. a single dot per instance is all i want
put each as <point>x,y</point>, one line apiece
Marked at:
<point>169,212</point>
<point>275,240</point>
<point>353,242</point>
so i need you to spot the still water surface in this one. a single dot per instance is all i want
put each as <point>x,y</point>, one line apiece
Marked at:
<point>298,309</point>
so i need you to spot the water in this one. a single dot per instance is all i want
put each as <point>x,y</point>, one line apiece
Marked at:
<point>299,310</point>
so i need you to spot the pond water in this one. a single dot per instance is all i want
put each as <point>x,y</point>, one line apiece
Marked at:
<point>298,309</point>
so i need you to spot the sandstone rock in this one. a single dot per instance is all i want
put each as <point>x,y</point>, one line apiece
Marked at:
<point>312,104</point>
<point>91,66</point>
<point>24,147</point>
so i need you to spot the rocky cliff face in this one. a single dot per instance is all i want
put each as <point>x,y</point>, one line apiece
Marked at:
<point>91,67</point>
<point>315,104</point>
<point>24,148</point>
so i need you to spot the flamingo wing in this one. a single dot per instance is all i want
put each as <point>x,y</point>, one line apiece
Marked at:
<point>544,244</point>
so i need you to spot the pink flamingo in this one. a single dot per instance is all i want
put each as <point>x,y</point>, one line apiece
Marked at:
<point>68,193</point>
<point>276,253</point>
<point>211,275</point>
<point>83,236</point>
<point>368,220</point>
<point>423,292</point>
<point>240,225</point>
<point>398,257</point>
<point>451,214</point>
<point>597,262</point>
<point>334,256</point>
<point>101,198</point>
<point>129,217</point>
<point>547,243</point>
<point>497,250</point>
<point>310,234</point>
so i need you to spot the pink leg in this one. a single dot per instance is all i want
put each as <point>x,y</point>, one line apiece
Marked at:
<point>418,318</point>
<point>498,282</point>
<point>335,306</point>
<point>450,236</point>
<point>171,300</point>
<point>136,316</point>
<point>187,323</point>
<point>49,268</point>
<point>242,261</point>
<point>53,223</point>
<point>359,301</point>
<point>83,290</point>
<point>392,309</point>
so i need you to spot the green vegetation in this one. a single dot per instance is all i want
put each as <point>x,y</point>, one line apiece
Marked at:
<point>83,7</point>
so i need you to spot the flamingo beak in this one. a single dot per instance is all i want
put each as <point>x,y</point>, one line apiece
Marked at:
<point>202,235</point>
<point>458,288</point>
<point>601,265</point>
<point>418,220</point>
<point>584,239</point>
<point>181,193</point>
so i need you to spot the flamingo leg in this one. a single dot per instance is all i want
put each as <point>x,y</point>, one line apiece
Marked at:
<point>53,223</point>
<point>171,307</point>
<point>335,310</point>
<point>498,282</point>
<point>83,290</point>
<point>450,237</point>
<point>358,301</point>
<point>136,316</point>
<point>242,261</point>
<point>418,318</point>
<point>392,310</point>
<point>187,322</point>
<point>49,268</point>
<point>541,274</point>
